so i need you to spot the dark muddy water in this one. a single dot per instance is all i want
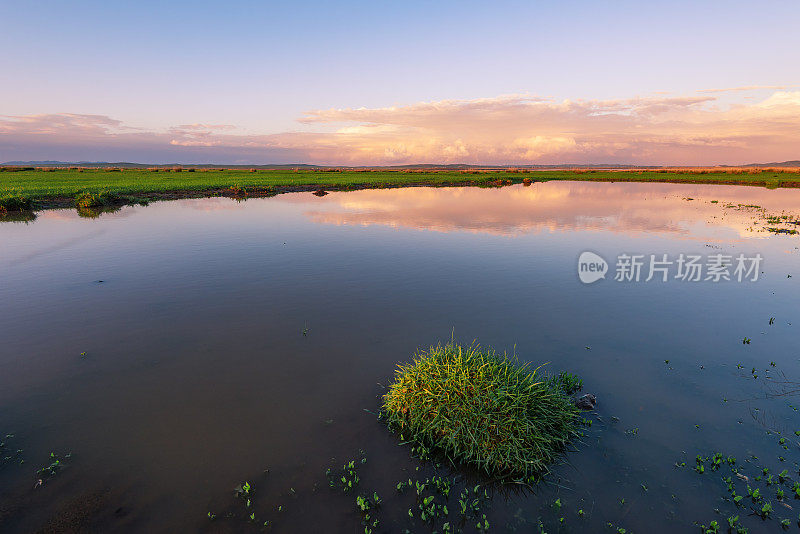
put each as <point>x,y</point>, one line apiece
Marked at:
<point>231,341</point>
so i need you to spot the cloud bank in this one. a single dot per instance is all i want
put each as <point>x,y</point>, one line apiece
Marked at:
<point>513,129</point>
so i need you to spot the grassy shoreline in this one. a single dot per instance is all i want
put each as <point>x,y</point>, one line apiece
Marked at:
<point>49,188</point>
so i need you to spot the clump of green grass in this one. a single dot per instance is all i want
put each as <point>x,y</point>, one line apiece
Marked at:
<point>567,383</point>
<point>95,200</point>
<point>482,408</point>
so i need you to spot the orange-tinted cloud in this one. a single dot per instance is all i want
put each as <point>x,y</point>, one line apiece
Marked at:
<point>514,129</point>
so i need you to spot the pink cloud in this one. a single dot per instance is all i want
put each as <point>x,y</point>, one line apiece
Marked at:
<point>200,126</point>
<point>748,88</point>
<point>511,129</point>
<point>54,124</point>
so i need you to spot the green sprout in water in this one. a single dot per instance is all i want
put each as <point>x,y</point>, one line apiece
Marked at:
<point>766,510</point>
<point>55,466</point>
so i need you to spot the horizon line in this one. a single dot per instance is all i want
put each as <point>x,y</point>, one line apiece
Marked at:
<point>477,166</point>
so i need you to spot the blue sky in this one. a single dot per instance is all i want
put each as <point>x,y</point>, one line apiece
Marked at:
<point>260,66</point>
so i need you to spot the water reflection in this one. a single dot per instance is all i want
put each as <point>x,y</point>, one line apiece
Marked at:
<point>693,212</point>
<point>180,348</point>
<point>17,216</point>
<point>696,212</point>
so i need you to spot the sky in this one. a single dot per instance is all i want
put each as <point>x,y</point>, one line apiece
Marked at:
<point>376,83</point>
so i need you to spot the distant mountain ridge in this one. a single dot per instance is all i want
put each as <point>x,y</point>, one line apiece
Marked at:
<point>130,165</point>
<point>453,166</point>
<point>443,166</point>
<point>792,163</point>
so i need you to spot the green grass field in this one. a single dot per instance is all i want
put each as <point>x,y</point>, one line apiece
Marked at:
<point>59,187</point>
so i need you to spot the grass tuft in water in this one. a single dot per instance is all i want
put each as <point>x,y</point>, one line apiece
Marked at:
<point>483,409</point>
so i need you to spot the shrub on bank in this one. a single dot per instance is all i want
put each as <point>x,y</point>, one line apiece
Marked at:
<point>14,202</point>
<point>95,200</point>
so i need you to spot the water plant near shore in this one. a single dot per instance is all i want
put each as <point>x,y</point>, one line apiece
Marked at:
<point>95,200</point>
<point>13,201</point>
<point>482,408</point>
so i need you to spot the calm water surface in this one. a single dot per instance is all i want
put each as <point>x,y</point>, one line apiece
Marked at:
<point>231,341</point>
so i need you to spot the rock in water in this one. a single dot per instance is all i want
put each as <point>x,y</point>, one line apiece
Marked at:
<point>586,402</point>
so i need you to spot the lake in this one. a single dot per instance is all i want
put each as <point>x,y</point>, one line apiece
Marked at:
<point>179,349</point>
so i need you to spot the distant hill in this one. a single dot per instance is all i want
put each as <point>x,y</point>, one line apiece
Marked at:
<point>793,163</point>
<point>429,166</point>
<point>129,165</point>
